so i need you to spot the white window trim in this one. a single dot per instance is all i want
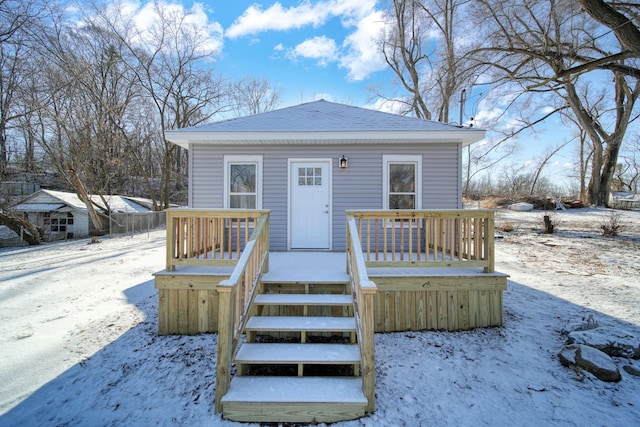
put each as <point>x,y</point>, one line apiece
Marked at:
<point>387,159</point>
<point>242,159</point>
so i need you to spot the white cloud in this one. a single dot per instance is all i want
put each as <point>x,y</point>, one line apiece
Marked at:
<point>388,106</point>
<point>363,56</point>
<point>279,47</point>
<point>488,117</point>
<point>255,20</point>
<point>320,48</point>
<point>358,52</point>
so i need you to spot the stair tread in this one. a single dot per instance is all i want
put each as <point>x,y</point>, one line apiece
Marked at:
<point>303,299</point>
<point>301,323</point>
<point>298,353</point>
<point>295,390</point>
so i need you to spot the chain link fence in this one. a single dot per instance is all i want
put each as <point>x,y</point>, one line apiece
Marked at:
<point>130,223</point>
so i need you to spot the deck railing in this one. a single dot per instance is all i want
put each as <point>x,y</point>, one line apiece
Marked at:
<point>235,296</point>
<point>208,237</point>
<point>420,238</point>
<point>364,292</point>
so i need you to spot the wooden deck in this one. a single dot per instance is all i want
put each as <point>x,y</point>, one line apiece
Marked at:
<point>408,298</point>
<point>311,316</point>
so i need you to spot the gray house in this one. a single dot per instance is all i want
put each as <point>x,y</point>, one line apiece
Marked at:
<point>310,163</point>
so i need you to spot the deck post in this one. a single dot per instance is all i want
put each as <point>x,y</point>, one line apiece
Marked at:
<point>368,348</point>
<point>170,226</point>
<point>489,243</point>
<point>225,348</point>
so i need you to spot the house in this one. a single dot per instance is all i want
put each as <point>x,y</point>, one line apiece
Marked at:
<point>310,163</point>
<point>62,215</point>
<point>309,229</point>
<point>624,200</point>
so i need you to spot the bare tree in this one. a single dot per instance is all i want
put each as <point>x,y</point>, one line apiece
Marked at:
<point>426,52</point>
<point>548,46</point>
<point>82,97</point>
<point>548,155</point>
<point>628,171</point>
<point>253,96</point>
<point>173,68</point>
<point>618,16</point>
<point>17,19</point>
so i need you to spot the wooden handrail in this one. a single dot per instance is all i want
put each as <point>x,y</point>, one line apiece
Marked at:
<point>427,238</point>
<point>364,291</point>
<point>235,296</point>
<point>208,237</point>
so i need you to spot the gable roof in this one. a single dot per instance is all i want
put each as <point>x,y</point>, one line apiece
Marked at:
<point>323,122</point>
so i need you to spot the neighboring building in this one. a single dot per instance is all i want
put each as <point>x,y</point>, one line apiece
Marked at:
<point>310,163</point>
<point>62,215</point>
<point>624,200</point>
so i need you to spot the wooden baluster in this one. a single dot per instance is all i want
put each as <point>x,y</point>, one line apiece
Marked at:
<point>377,225</point>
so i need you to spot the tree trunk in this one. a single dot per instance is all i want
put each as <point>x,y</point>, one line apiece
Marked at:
<point>83,194</point>
<point>23,228</point>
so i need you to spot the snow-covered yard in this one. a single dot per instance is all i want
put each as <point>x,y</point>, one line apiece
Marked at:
<point>78,343</point>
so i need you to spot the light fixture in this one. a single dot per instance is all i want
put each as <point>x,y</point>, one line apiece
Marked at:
<point>343,162</point>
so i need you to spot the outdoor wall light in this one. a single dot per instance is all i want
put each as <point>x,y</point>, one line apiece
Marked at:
<point>343,162</point>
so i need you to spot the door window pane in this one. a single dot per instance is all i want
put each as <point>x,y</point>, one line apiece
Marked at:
<point>310,176</point>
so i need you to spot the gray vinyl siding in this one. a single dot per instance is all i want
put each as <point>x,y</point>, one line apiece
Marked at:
<point>357,187</point>
<point>206,180</point>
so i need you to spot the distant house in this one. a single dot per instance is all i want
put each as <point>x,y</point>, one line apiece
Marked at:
<point>624,200</point>
<point>62,215</point>
<point>310,163</point>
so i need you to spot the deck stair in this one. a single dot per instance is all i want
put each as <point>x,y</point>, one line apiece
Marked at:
<point>301,360</point>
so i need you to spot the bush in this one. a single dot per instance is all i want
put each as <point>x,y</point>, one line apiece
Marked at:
<point>611,226</point>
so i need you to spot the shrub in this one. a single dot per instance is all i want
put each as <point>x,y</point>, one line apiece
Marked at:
<point>611,226</point>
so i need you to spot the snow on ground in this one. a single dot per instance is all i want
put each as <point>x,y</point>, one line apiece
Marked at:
<point>78,343</point>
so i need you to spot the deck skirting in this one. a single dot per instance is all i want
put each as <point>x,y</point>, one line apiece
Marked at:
<point>188,301</point>
<point>408,299</point>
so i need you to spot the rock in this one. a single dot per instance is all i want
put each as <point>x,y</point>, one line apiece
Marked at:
<point>598,363</point>
<point>521,207</point>
<point>632,370</point>
<point>612,341</point>
<point>567,355</point>
<point>591,360</point>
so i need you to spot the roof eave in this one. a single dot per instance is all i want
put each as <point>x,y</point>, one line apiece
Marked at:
<point>184,139</point>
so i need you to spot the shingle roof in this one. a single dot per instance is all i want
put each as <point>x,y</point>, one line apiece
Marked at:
<point>322,116</point>
<point>320,120</point>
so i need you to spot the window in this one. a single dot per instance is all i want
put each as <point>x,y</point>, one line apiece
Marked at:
<point>243,182</point>
<point>402,182</point>
<point>58,222</point>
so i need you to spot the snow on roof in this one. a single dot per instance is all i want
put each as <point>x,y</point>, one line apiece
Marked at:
<point>70,199</point>
<point>339,121</point>
<point>120,204</point>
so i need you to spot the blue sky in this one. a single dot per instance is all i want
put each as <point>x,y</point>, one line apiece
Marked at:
<point>312,49</point>
<point>308,49</point>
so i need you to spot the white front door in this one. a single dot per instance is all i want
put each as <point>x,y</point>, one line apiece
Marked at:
<point>310,204</point>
